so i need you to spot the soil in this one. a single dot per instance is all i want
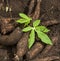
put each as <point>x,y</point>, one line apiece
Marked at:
<point>14,43</point>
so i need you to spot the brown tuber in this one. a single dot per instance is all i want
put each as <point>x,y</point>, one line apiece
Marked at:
<point>35,50</point>
<point>51,58</point>
<point>12,39</point>
<point>4,55</point>
<point>7,26</point>
<point>22,47</point>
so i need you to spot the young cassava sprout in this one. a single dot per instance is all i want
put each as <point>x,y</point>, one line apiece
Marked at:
<point>24,19</point>
<point>36,28</point>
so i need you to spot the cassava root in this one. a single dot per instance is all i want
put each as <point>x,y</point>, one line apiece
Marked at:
<point>11,39</point>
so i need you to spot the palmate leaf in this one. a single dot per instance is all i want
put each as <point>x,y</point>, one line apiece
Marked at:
<point>22,15</point>
<point>42,28</point>
<point>36,23</point>
<point>27,29</point>
<point>31,39</point>
<point>44,38</point>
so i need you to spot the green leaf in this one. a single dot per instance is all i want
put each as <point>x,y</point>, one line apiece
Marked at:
<point>42,28</point>
<point>27,23</point>
<point>36,23</point>
<point>44,38</point>
<point>22,21</point>
<point>31,39</point>
<point>27,29</point>
<point>22,15</point>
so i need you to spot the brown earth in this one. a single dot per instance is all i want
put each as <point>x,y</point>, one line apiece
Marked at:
<point>13,43</point>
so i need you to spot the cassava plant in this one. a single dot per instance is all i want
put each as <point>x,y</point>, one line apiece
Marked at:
<point>24,19</point>
<point>36,28</point>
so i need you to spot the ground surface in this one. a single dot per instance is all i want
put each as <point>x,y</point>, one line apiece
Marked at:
<point>10,33</point>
